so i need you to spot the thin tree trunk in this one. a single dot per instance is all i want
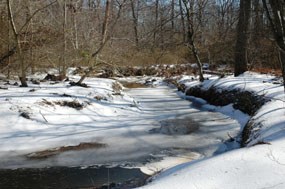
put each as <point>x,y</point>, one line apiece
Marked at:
<point>155,21</point>
<point>105,37</point>
<point>22,76</point>
<point>161,24</point>
<point>10,52</point>
<point>63,68</point>
<point>75,29</point>
<point>172,14</point>
<point>135,23</point>
<point>282,61</point>
<point>32,62</point>
<point>106,22</point>
<point>276,19</point>
<point>182,20</point>
<point>190,36</point>
<point>242,37</point>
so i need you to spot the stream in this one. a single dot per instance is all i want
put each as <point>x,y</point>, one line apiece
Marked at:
<point>167,131</point>
<point>72,177</point>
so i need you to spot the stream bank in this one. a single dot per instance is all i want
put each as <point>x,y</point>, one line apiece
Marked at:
<point>151,128</point>
<point>245,101</point>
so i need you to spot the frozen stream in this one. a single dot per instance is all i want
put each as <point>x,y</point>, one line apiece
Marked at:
<point>158,131</point>
<point>162,124</point>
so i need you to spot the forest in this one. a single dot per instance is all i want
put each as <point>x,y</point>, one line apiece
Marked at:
<point>245,35</point>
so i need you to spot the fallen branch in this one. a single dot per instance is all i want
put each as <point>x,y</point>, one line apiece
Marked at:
<point>43,116</point>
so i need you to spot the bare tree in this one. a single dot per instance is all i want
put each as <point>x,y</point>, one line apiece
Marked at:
<point>189,7</point>
<point>135,23</point>
<point>242,37</point>
<point>275,10</point>
<point>63,66</point>
<point>156,21</point>
<point>172,14</point>
<point>182,20</point>
<point>18,46</point>
<point>105,37</point>
<point>16,33</point>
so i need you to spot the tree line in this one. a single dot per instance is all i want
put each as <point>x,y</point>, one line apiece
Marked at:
<point>40,34</point>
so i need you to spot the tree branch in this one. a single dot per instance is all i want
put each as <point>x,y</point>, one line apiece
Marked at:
<point>34,13</point>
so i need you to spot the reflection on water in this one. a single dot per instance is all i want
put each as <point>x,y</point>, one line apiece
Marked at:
<point>75,177</point>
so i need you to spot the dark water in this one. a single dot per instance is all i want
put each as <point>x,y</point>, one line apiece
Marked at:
<point>75,177</point>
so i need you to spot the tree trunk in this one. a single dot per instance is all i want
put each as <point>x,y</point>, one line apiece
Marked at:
<point>106,22</point>
<point>172,14</point>
<point>276,19</point>
<point>22,76</point>
<point>135,23</point>
<point>64,30</point>
<point>75,28</point>
<point>282,61</point>
<point>104,39</point>
<point>242,37</point>
<point>155,22</point>
<point>190,35</point>
<point>182,21</point>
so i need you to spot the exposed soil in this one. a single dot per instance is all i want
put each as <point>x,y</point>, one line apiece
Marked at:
<point>132,85</point>
<point>52,77</point>
<point>72,104</point>
<point>72,83</point>
<point>46,102</point>
<point>245,101</point>
<point>54,151</point>
<point>25,115</point>
<point>159,70</point>
<point>100,98</point>
<point>180,87</point>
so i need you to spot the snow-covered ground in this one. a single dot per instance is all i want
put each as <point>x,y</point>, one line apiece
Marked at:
<point>152,128</point>
<point>137,126</point>
<point>253,167</point>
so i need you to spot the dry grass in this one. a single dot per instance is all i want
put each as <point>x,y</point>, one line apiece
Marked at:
<point>264,70</point>
<point>72,104</point>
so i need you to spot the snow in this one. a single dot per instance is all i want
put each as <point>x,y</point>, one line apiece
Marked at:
<point>137,125</point>
<point>259,165</point>
<point>123,122</point>
<point>243,168</point>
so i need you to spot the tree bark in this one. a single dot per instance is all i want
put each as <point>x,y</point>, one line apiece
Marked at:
<point>189,7</point>
<point>135,23</point>
<point>182,21</point>
<point>106,22</point>
<point>64,30</point>
<point>276,19</point>
<point>155,22</point>
<point>75,28</point>
<point>22,76</point>
<point>242,38</point>
<point>172,14</point>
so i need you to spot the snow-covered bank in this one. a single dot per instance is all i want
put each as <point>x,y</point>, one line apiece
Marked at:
<point>260,165</point>
<point>120,127</point>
